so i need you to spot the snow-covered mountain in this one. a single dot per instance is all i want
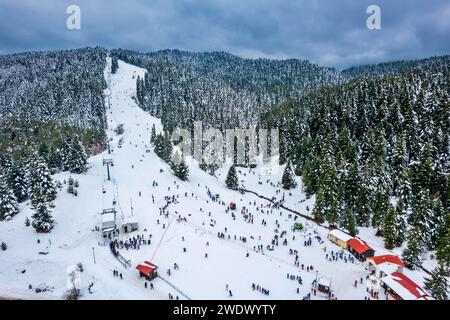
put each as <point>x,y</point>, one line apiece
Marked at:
<point>369,155</point>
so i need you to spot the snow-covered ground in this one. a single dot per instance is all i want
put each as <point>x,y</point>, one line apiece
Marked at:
<point>74,238</point>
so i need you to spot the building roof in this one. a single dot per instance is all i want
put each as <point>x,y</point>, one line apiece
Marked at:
<point>108,217</point>
<point>340,235</point>
<point>129,220</point>
<point>387,258</point>
<point>324,281</point>
<point>358,245</point>
<point>151,265</point>
<point>405,287</point>
<point>147,270</point>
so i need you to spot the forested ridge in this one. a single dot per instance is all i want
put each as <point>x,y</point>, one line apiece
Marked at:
<point>220,89</point>
<point>375,152</point>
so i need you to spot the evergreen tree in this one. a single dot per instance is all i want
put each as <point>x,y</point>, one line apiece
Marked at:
<point>163,147</point>
<point>413,252</point>
<point>232,181</point>
<point>400,223</point>
<point>349,222</point>
<point>8,202</point>
<point>437,285</point>
<point>179,167</point>
<point>443,246</point>
<point>42,218</point>
<point>153,134</point>
<point>390,232</point>
<point>41,182</point>
<point>422,216</point>
<point>19,181</point>
<point>73,155</point>
<point>114,65</point>
<point>362,204</point>
<point>287,180</point>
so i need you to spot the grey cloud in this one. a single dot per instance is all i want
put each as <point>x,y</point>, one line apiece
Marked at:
<point>328,32</point>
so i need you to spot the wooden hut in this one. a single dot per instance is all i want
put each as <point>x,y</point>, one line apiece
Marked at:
<point>324,285</point>
<point>340,238</point>
<point>147,270</point>
<point>129,225</point>
<point>360,249</point>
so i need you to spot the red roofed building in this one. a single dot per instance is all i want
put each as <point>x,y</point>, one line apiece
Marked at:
<point>399,287</point>
<point>381,266</point>
<point>360,249</point>
<point>149,270</point>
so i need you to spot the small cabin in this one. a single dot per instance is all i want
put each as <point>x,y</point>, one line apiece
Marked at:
<point>360,249</point>
<point>130,225</point>
<point>324,285</point>
<point>108,224</point>
<point>147,270</point>
<point>382,266</point>
<point>340,238</point>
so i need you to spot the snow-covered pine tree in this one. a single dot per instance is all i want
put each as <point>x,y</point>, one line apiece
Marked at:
<point>363,203</point>
<point>114,65</point>
<point>8,202</point>
<point>443,245</point>
<point>153,134</point>
<point>390,230</point>
<point>78,157</point>
<point>438,217</point>
<point>42,218</point>
<point>327,191</point>
<point>182,170</point>
<point>422,216</point>
<point>73,155</point>
<point>232,181</point>
<point>41,183</point>
<point>163,147</point>
<point>412,255</point>
<point>179,166</point>
<point>19,181</point>
<point>287,180</point>
<point>437,285</point>
<point>400,222</point>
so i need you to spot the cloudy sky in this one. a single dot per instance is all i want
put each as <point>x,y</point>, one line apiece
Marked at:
<point>328,32</point>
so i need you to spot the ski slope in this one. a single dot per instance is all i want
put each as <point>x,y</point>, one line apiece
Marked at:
<point>193,223</point>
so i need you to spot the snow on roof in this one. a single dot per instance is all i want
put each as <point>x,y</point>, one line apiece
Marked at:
<point>129,219</point>
<point>324,281</point>
<point>388,268</point>
<point>404,286</point>
<point>108,217</point>
<point>387,258</point>
<point>151,265</point>
<point>340,235</point>
<point>358,245</point>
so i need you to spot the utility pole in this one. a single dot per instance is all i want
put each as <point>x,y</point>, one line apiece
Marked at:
<point>93,254</point>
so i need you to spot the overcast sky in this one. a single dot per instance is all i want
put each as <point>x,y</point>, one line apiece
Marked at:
<point>328,32</point>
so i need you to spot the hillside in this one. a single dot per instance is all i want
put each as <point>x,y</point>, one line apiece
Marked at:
<point>375,151</point>
<point>220,89</point>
